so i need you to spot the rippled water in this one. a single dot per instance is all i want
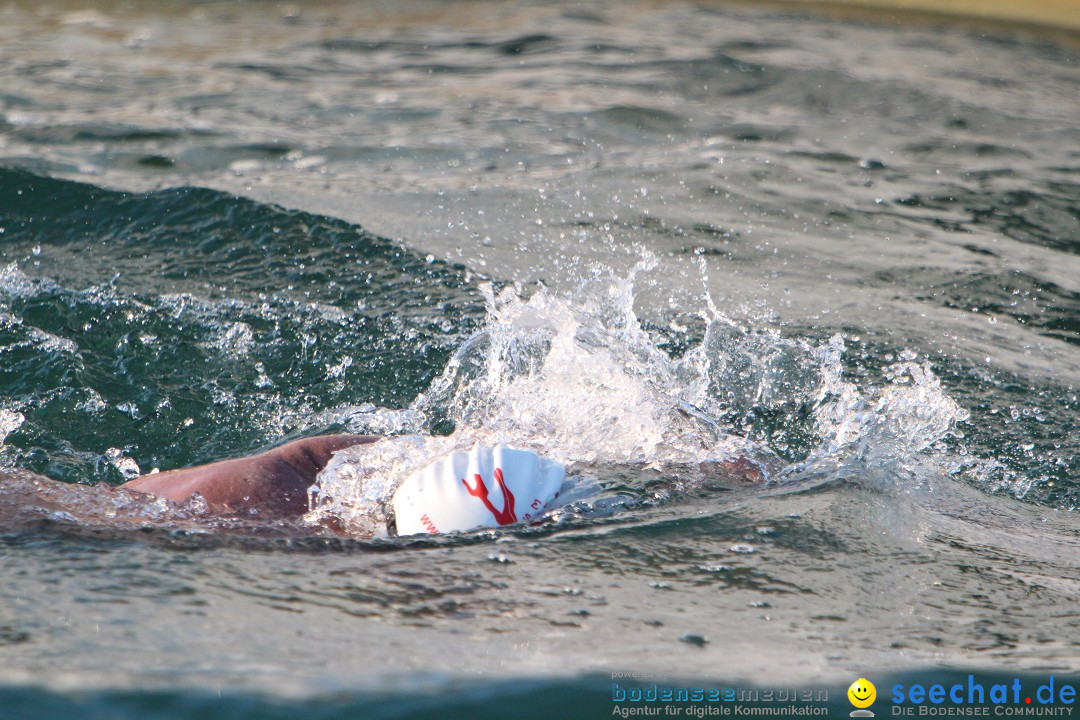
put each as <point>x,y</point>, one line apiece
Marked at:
<point>641,238</point>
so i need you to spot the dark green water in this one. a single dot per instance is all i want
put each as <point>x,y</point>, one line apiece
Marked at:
<point>223,225</point>
<point>229,343</point>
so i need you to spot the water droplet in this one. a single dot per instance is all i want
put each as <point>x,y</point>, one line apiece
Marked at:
<point>715,568</point>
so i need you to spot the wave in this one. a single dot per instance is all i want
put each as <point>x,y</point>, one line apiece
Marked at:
<point>169,328</point>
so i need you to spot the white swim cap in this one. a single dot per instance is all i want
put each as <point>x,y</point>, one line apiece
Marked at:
<point>485,487</point>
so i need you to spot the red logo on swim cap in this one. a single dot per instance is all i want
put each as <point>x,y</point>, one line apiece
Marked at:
<point>504,517</point>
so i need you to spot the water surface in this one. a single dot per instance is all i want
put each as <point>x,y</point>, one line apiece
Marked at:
<point>641,234</point>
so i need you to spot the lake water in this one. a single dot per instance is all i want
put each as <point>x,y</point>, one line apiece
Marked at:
<point>640,237</point>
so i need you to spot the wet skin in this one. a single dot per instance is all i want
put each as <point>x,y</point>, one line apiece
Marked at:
<point>275,482</point>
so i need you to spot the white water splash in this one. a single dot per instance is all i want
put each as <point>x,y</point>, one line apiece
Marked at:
<point>355,487</point>
<point>580,380</point>
<point>886,428</point>
<point>10,421</point>
<point>126,466</point>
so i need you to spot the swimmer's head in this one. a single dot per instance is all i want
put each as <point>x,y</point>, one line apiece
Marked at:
<point>484,487</point>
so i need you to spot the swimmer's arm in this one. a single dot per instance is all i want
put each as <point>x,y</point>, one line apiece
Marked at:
<point>273,483</point>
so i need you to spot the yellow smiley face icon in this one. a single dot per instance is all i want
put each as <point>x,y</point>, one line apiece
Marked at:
<point>862,693</point>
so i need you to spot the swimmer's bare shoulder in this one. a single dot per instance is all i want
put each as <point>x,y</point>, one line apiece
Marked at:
<point>270,485</point>
<point>273,483</point>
